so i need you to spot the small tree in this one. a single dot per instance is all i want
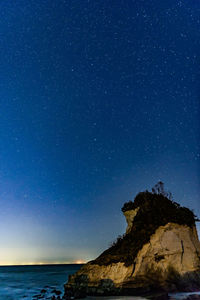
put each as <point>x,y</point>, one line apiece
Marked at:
<point>160,190</point>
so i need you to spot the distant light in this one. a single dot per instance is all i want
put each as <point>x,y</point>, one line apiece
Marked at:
<point>80,262</point>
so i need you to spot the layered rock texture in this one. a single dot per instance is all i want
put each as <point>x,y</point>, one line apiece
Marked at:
<point>159,251</point>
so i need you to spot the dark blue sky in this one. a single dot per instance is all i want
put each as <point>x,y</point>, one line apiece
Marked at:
<point>99,100</point>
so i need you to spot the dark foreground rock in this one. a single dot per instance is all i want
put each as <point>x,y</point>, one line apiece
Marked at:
<point>193,297</point>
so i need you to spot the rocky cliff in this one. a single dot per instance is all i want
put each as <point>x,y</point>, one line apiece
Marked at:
<point>160,250</point>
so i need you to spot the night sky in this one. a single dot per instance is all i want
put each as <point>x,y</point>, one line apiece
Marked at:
<point>99,100</point>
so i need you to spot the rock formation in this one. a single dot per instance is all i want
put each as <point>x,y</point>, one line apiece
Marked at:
<point>159,251</point>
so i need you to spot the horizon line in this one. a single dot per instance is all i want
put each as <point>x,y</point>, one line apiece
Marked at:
<point>42,264</point>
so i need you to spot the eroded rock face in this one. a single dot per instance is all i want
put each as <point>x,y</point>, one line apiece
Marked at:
<point>172,245</point>
<point>171,256</point>
<point>130,215</point>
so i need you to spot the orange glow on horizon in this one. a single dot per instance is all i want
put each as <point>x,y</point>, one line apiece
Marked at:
<point>41,263</point>
<point>80,262</point>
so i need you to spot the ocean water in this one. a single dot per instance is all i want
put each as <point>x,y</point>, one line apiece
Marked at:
<point>27,282</point>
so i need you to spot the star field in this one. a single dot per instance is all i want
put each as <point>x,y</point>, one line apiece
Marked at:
<point>99,100</point>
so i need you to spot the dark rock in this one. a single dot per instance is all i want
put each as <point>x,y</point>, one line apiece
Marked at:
<point>56,292</point>
<point>193,297</point>
<point>69,293</point>
<point>160,297</point>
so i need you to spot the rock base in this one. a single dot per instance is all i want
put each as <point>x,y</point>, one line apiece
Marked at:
<point>82,287</point>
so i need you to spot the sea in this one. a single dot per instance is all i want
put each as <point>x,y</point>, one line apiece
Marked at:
<point>44,281</point>
<point>31,282</point>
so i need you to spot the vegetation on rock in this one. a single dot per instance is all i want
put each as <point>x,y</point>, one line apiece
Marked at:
<point>156,209</point>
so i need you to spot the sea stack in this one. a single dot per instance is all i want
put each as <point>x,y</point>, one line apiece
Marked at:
<point>160,251</point>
